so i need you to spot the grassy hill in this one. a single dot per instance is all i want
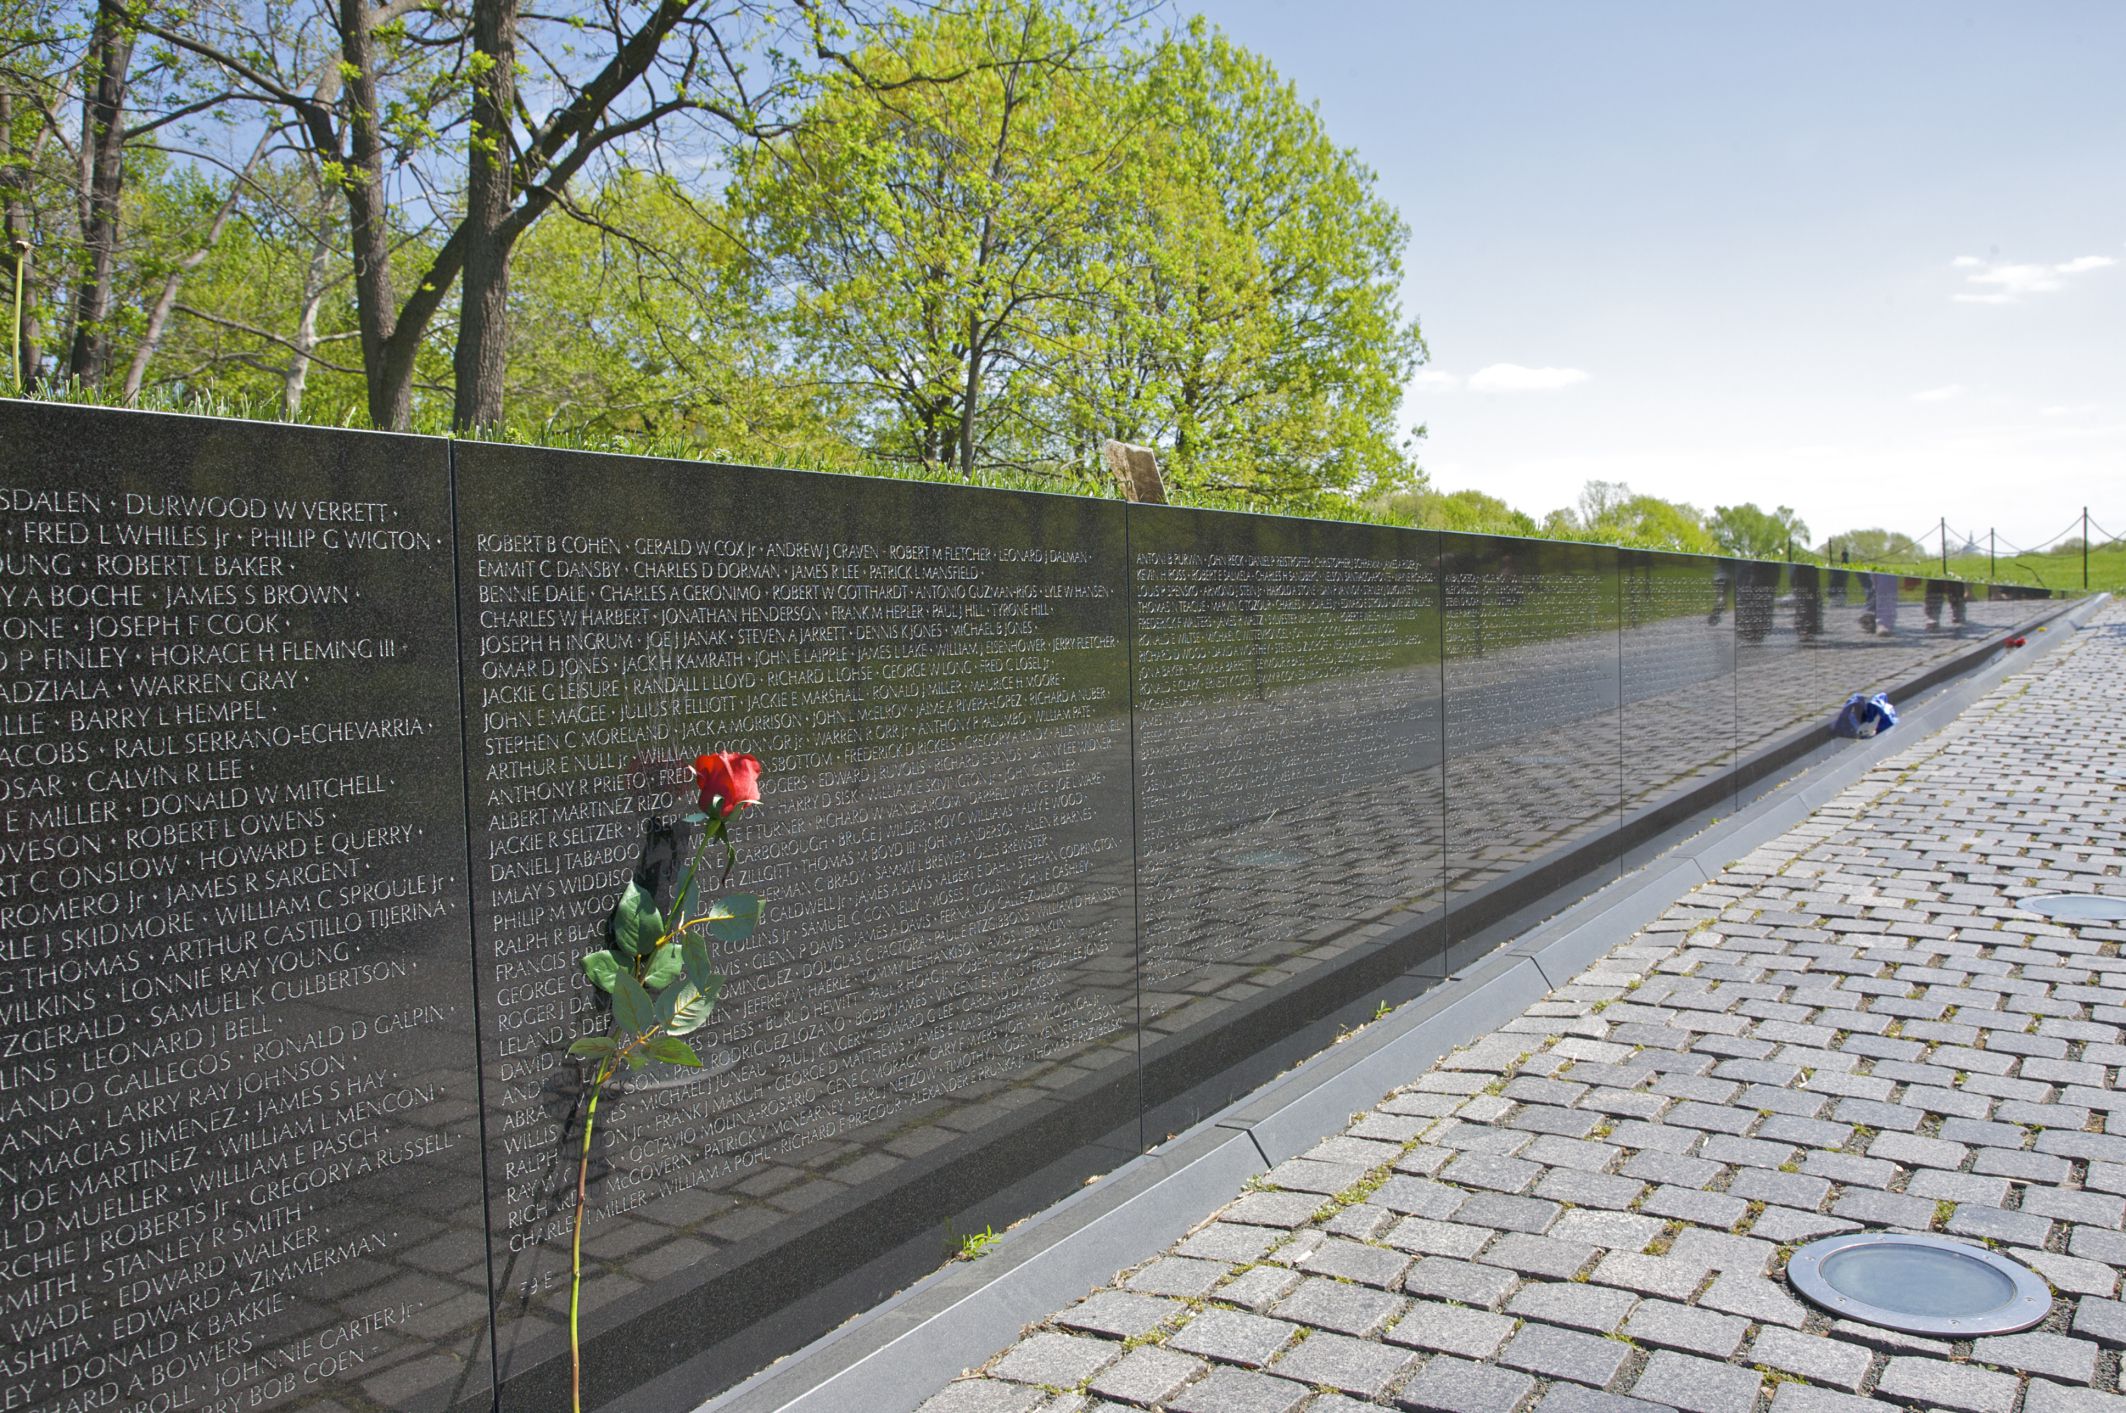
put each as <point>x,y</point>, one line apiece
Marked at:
<point>2056,569</point>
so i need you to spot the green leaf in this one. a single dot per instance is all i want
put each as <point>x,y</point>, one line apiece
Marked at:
<point>631,1004</point>
<point>601,967</point>
<point>673,1052</point>
<point>694,955</point>
<point>692,1006</point>
<point>733,919</point>
<point>594,1047</point>
<point>636,922</point>
<point>664,968</point>
<point>636,1059</point>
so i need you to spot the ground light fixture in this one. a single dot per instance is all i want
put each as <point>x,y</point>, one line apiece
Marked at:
<point>1919,1284</point>
<point>2076,907</point>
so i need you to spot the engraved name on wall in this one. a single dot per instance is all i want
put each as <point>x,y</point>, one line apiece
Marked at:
<point>1287,687</point>
<point>943,845</point>
<point>222,1038</point>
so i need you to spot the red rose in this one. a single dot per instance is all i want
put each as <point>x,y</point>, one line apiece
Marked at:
<point>727,780</point>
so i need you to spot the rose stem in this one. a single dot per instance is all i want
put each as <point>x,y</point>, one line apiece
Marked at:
<point>575,1289</point>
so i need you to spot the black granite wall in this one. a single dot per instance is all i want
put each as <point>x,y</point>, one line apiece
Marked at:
<point>240,1146</point>
<point>323,753</point>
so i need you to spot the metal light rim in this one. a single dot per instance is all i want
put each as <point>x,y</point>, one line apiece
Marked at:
<point>2036,901</point>
<point>2030,1304</point>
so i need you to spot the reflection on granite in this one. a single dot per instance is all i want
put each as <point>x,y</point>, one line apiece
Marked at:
<point>1069,804</point>
<point>941,701</point>
<point>1287,751</point>
<point>1678,647</point>
<point>1533,736</point>
<point>239,1136</point>
<point>1808,637</point>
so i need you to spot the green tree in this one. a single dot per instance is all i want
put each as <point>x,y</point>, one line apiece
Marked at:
<point>1242,312</point>
<point>1470,512</point>
<point>640,321</point>
<point>1600,501</point>
<point>1074,243</point>
<point>924,233</point>
<point>1611,513</point>
<point>1754,533</point>
<point>1649,522</point>
<point>1876,546</point>
<point>421,116</point>
<point>267,315</point>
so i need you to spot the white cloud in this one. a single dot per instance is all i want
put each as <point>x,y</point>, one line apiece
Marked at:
<point>1512,377</point>
<point>2066,409</point>
<point>1942,394</point>
<point>1434,378</point>
<point>2007,284</point>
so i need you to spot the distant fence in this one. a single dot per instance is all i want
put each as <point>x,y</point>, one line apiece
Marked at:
<point>325,751</point>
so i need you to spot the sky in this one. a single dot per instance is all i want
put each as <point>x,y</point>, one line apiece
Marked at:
<point>1868,261</point>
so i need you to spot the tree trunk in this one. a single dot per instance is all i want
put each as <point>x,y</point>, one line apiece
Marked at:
<point>387,367</point>
<point>15,270</point>
<point>159,316</point>
<point>968,396</point>
<point>297,377</point>
<point>483,310</point>
<point>15,256</point>
<point>103,151</point>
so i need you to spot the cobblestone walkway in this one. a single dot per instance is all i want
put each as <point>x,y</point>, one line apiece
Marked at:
<point>1590,1210</point>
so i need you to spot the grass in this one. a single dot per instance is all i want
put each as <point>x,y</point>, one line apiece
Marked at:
<point>973,1246</point>
<point>2054,569</point>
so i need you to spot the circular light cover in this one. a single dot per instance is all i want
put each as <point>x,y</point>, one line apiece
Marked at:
<point>2076,907</point>
<point>1919,1284</point>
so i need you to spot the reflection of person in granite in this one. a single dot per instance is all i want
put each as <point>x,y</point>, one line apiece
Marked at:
<point>1508,591</point>
<point>1879,616</point>
<point>1808,601</point>
<point>1756,587</point>
<point>1953,592</point>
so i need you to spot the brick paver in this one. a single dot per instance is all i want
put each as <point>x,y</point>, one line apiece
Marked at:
<point>1592,1208</point>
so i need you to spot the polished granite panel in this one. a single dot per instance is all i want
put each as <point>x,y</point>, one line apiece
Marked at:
<point>1954,617</point>
<point>239,1135</point>
<point>1678,646</point>
<point>241,1117</point>
<point>1534,730</point>
<point>1803,643</point>
<point>1287,758</point>
<point>1807,637</point>
<point>943,996</point>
